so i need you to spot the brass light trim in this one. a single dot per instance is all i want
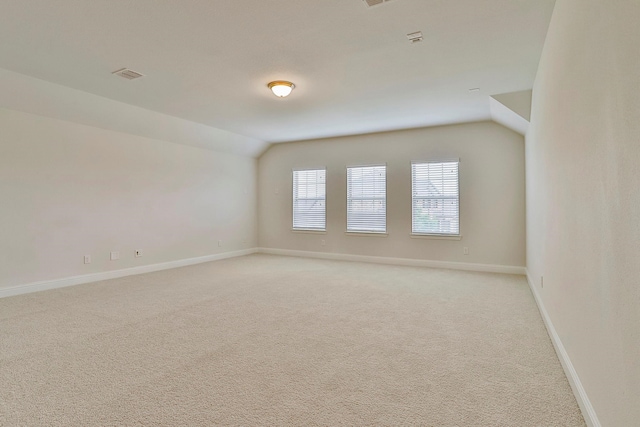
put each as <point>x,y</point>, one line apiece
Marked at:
<point>281,88</point>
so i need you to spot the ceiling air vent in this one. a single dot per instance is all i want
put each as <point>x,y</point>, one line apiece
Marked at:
<point>375,2</point>
<point>415,37</point>
<point>128,74</point>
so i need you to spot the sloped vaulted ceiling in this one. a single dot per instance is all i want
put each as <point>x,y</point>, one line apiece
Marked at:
<point>354,68</point>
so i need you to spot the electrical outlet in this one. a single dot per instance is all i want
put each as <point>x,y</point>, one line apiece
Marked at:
<point>87,259</point>
<point>465,250</point>
<point>323,242</point>
<point>138,253</point>
<point>115,255</point>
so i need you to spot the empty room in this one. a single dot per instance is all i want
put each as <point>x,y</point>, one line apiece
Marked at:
<point>320,213</point>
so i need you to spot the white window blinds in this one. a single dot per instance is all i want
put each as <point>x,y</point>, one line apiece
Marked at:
<point>309,199</point>
<point>367,199</point>
<point>435,198</point>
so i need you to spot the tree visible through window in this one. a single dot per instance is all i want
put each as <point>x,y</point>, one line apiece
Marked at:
<point>435,198</point>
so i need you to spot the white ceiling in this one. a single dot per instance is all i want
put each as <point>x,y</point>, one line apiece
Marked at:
<point>209,61</point>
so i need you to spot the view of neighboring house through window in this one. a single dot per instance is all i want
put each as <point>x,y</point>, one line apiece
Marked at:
<point>309,199</point>
<point>367,199</point>
<point>435,198</point>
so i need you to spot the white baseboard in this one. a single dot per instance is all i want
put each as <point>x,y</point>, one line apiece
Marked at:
<point>486,268</point>
<point>580,393</point>
<point>95,277</point>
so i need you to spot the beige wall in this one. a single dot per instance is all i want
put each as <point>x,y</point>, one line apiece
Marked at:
<point>491,185</point>
<point>67,190</point>
<point>583,197</point>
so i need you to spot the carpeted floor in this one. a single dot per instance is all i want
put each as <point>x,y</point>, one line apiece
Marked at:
<point>276,341</point>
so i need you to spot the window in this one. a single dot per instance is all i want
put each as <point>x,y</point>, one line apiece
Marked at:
<point>367,199</point>
<point>435,198</point>
<point>309,199</point>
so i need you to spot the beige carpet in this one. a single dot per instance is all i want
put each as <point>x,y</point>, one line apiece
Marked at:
<point>275,341</point>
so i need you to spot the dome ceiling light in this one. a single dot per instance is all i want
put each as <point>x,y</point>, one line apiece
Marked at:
<point>281,88</point>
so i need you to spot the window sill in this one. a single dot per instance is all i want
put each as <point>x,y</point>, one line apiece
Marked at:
<point>303,231</point>
<point>436,236</point>
<point>366,233</point>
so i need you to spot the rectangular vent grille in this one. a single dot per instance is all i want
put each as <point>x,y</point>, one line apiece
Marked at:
<point>375,2</point>
<point>128,74</point>
<point>415,37</point>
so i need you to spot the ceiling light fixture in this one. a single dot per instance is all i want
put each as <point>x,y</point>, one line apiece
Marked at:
<point>281,88</point>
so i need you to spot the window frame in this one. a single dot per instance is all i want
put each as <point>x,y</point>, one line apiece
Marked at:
<point>301,229</point>
<point>386,209</point>
<point>439,236</point>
